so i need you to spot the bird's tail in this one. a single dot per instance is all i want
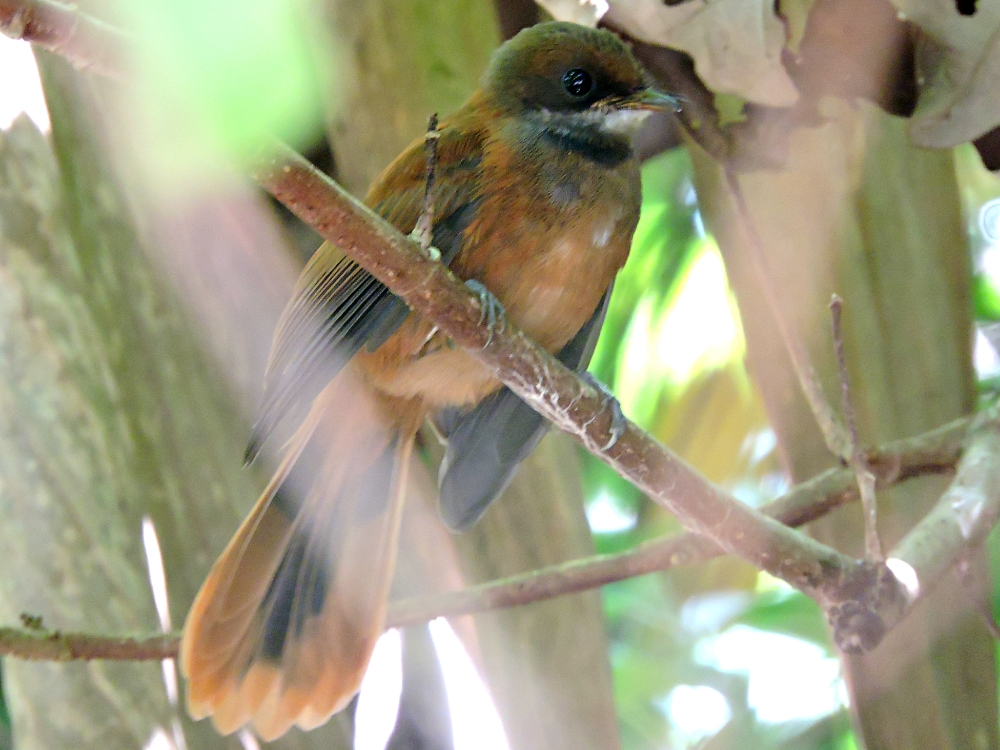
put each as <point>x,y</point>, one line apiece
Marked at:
<point>283,627</point>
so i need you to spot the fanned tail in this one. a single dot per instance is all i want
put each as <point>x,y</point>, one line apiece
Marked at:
<point>283,628</point>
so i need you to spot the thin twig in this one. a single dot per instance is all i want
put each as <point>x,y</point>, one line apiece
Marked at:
<point>423,230</point>
<point>866,480</point>
<point>47,645</point>
<point>834,434</point>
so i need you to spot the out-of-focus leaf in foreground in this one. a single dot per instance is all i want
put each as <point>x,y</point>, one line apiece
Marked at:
<point>216,77</point>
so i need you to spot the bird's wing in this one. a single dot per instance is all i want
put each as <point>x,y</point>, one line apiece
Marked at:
<point>487,444</point>
<point>337,306</point>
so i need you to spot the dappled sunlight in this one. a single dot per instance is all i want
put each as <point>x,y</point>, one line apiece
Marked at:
<point>20,88</point>
<point>378,701</point>
<point>695,712</point>
<point>789,678</point>
<point>697,331</point>
<point>475,723</point>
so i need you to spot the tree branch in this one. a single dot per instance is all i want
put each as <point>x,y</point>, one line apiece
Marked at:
<point>935,452</point>
<point>966,513</point>
<point>82,39</point>
<point>955,528</point>
<point>931,453</point>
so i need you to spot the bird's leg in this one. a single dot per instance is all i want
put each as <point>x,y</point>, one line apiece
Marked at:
<point>618,421</point>
<point>492,310</point>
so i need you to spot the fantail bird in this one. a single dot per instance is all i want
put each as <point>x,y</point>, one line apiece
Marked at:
<point>537,198</point>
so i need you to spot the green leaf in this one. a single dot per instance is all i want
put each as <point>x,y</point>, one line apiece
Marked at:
<point>985,298</point>
<point>788,612</point>
<point>661,248</point>
<point>216,77</point>
<point>6,742</point>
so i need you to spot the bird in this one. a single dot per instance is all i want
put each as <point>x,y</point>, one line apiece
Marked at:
<point>537,195</point>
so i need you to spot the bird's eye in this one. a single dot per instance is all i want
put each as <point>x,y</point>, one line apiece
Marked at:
<point>577,82</point>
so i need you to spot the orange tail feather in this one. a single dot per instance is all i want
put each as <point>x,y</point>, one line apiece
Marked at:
<point>284,626</point>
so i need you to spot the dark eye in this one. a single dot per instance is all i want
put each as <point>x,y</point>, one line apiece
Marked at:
<point>577,82</point>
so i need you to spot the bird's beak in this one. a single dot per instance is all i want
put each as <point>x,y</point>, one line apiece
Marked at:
<point>651,99</point>
<point>647,99</point>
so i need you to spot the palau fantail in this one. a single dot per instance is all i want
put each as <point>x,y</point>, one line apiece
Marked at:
<point>536,201</point>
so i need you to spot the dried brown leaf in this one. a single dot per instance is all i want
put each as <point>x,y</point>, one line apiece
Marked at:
<point>959,71</point>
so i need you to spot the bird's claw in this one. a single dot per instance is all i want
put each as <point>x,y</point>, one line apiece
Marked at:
<point>492,311</point>
<point>618,421</point>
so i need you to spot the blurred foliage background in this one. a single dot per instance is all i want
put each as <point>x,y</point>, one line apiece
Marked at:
<point>713,657</point>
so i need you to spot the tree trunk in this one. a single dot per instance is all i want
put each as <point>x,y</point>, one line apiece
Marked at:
<point>860,212</point>
<point>400,63</point>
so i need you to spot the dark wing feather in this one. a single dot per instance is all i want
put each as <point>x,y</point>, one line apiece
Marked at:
<point>487,444</point>
<point>338,307</point>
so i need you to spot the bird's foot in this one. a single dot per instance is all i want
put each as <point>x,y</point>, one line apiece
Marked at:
<point>492,310</point>
<point>618,421</point>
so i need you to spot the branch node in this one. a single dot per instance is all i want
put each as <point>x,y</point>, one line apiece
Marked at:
<point>30,621</point>
<point>876,603</point>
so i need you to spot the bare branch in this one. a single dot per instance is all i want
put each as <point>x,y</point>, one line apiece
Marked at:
<point>932,453</point>
<point>965,514</point>
<point>866,480</point>
<point>957,525</point>
<point>89,44</point>
<point>41,644</point>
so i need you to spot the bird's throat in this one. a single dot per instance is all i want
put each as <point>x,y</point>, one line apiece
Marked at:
<point>584,136</point>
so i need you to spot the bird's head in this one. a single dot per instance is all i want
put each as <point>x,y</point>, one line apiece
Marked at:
<point>572,75</point>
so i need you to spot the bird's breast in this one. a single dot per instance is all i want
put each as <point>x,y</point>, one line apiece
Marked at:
<point>553,230</point>
<point>557,287</point>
